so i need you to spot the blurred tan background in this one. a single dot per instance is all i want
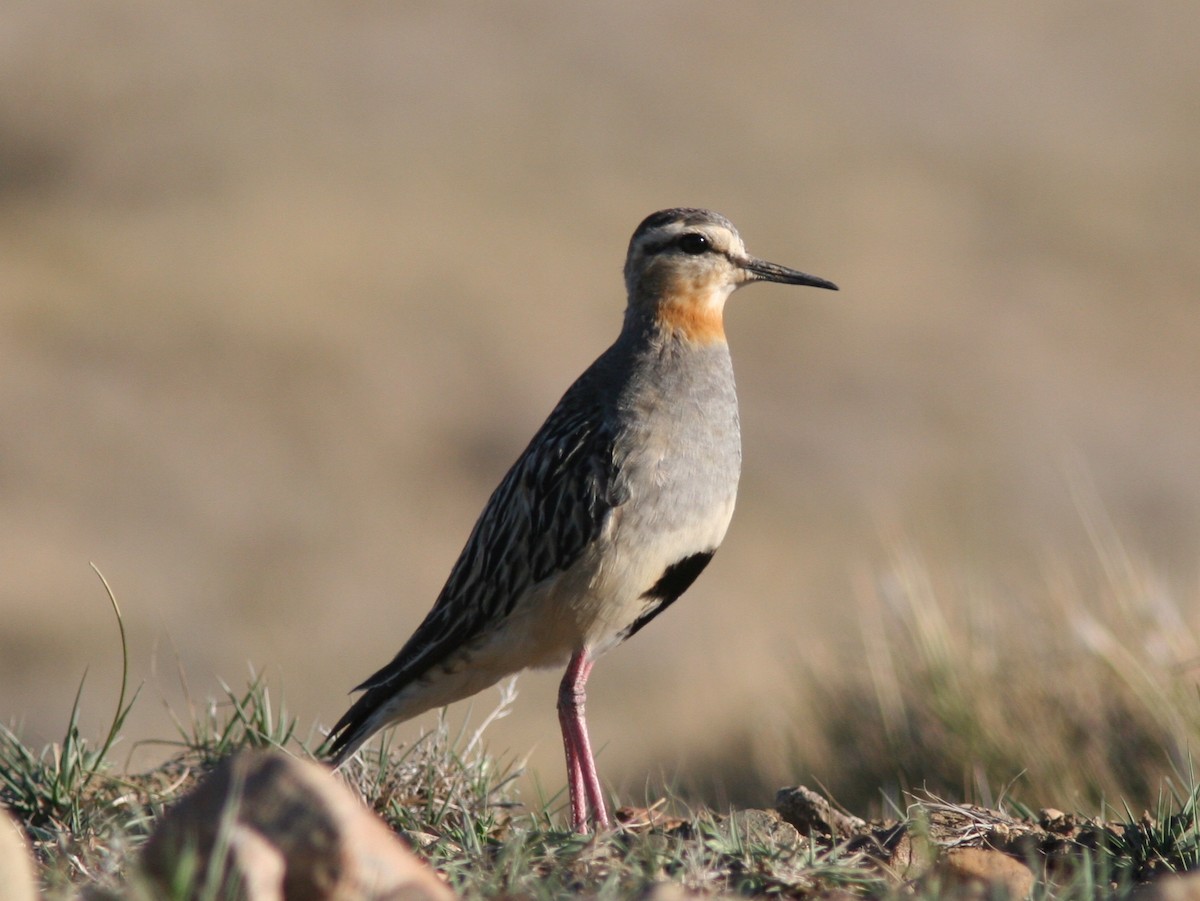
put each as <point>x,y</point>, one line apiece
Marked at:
<point>285,287</point>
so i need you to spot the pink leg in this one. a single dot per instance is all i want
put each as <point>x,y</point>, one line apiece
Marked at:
<point>574,777</point>
<point>582,778</point>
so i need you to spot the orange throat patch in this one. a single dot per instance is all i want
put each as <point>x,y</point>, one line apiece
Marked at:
<point>693,316</point>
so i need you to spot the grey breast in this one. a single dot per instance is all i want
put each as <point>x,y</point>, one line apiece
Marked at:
<point>679,450</point>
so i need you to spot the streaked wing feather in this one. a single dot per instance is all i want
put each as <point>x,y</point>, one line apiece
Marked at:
<point>550,505</point>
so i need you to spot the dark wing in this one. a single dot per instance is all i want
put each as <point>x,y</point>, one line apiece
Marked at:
<point>552,503</point>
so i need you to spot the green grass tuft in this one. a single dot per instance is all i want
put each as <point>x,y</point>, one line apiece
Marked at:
<point>946,706</point>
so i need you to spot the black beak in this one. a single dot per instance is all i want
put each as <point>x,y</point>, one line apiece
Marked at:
<point>761,270</point>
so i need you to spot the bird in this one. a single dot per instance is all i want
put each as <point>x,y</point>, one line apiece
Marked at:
<point>610,513</point>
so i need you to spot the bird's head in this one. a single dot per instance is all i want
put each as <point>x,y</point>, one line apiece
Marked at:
<point>684,263</point>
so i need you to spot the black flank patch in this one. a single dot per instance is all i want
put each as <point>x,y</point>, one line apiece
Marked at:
<point>679,577</point>
<point>671,584</point>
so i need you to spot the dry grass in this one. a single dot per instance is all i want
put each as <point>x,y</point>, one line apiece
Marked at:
<point>1076,691</point>
<point>1091,707</point>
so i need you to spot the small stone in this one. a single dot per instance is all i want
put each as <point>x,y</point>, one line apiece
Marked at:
<point>641,819</point>
<point>1184,887</point>
<point>287,828</point>
<point>812,813</point>
<point>766,827</point>
<point>982,873</point>
<point>1054,820</point>
<point>17,882</point>
<point>260,864</point>
<point>673,891</point>
<point>908,857</point>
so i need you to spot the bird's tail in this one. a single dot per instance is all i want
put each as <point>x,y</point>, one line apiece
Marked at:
<point>363,719</point>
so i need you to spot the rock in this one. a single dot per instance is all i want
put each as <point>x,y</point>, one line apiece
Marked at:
<point>1054,820</point>
<point>286,828</point>
<point>903,855</point>
<point>673,891</point>
<point>1184,887</point>
<point>981,873</point>
<point>811,813</point>
<point>642,819</point>
<point>787,858</point>
<point>260,864</point>
<point>766,827</point>
<point>17,881</point>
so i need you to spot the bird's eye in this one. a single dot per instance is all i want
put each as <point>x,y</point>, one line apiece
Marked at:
<point>694,243</point>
